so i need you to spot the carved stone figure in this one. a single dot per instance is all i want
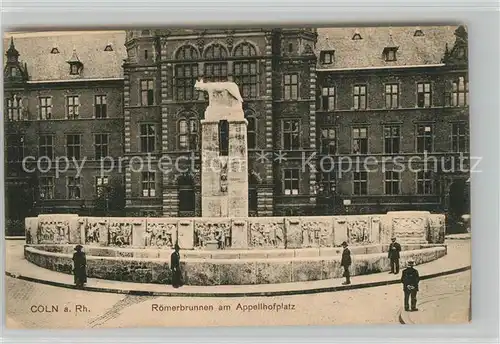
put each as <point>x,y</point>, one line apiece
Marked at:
<point>210,231</point>
<point>358,230</point>
<point>120,233</point>
<point>160,234</point>
<point>92,233</point>
<point>52,231</point>
<point>268,234</point>
<point>316,233</point>
<point>220,93</point>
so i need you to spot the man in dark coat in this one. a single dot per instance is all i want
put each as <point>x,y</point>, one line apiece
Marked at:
<point>410,280</point>
<point>346,263</point>
<point>175,265</point>
<point>394,249</point>
<point>79,267</point>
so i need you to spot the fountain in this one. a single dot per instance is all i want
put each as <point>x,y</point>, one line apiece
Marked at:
<point>257,250</point>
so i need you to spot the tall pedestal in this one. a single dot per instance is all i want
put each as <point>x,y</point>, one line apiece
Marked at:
<point>224,165</point>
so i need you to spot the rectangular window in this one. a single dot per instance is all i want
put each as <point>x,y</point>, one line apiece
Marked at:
<point>360,183</point>
<point>291,181</point>
<point>46,146</point>
<point>185,78</point>
<point>73,146</point>
<point>252,132</point>
<point>328,98</point>
<point>291,86</point>
<point>100,107</point>
<point>392,182</point>
<point>147,92</point>
<point>328,141</point>
<point>45,108</point>
<point>424,94</point>
<point>291,134</point>
<point>360,140</point>
<point>392,139</point>
<point>359,97</point>
<point>101,146</point>
<point>148,184</point>
<point>424,183</point>
<point>460,92</point>
<point>328,180</point>
<point>72,107</point>
<point>391,96</point>
<point>148,137</point>
<point>424,138</point>
<point>188,134</point>
<point>215,71</point>
<point>15,148</point>
<point>14,110</point>
<point>245,76</point>
<point>327,56</point>
<point>459,137</point>
<point>46,188</point>
<point>101,184</point>
<point>74,187</point>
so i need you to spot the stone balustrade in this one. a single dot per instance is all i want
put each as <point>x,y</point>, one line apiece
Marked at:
<point>239,233</point>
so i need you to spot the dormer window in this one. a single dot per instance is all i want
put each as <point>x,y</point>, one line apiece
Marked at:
<point>108,47</point>
<point>418,33</point>
<point>390,54</point>
<point>327,56</point>
<point>54,50</point>
<point>356,37</point>
<point>75,65</point>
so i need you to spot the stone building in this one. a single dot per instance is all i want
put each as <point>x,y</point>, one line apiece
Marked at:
<point>319,103</point>
<point>63,98</point>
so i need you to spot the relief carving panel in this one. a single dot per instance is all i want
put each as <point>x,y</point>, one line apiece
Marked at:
<point>207,231</point>
<point>52,231</point>
<point>317,232</point>
<point>160,234</point>
<point>267,233</point>
<point>358,229</point>
<point>409,228</point>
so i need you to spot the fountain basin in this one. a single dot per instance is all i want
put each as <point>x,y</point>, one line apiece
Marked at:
<point>227,267</point>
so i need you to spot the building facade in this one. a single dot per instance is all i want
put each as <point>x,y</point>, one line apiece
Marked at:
<point>339,120</point>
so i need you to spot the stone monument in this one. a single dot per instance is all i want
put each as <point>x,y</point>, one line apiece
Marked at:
<point>224,160</point>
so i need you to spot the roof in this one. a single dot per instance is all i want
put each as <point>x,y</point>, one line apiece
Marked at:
<point>88,46</point>
<point>367,52</point>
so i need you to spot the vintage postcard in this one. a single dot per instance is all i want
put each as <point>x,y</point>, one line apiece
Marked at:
<point>237,177</point>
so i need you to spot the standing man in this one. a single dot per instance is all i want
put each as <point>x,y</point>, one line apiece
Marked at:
<point>410,280</point>
<point>394,249</point>
<point>346,263</point>
<point>175,265</point>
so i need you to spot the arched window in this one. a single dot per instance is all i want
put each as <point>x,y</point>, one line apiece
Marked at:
<point>245,49</point>
<point>186,73</point>
<point>215,71</point>
<point>245,72</point>
<point>251,129</point>
<point>186,52</point>
<point>216,52</point>
<point>187,198</point>
<point>187,134</point>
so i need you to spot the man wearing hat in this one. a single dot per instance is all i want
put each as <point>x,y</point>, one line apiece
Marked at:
<point>410,280</point>
<point>175,265</point>
<point>346,263</point>
<point>79,267</point>
<point>394,249</point>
